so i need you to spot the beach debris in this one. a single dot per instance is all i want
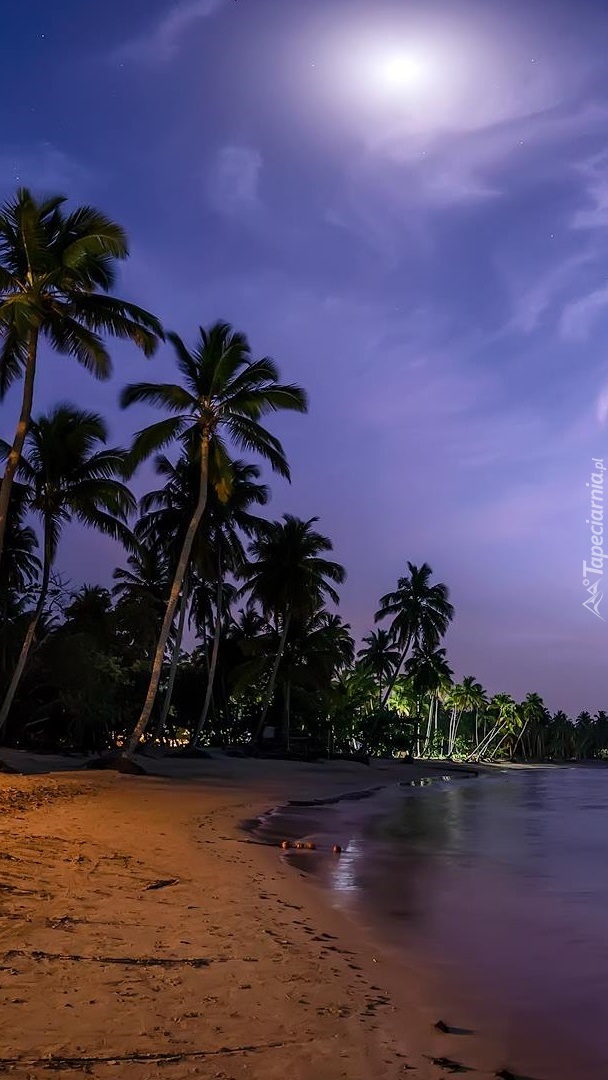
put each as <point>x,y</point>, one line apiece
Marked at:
<point>336,849</point>
<point>506,1074</point>
<point>449,1030</point>
<point>163,883</point>
<point>449,1065</point>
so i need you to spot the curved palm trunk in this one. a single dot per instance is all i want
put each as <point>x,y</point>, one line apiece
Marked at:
<point>395,675</point>
<point>23,424</point>
<point>273,676</point>
<point>213,665</point>
<point>176,588</point>
<point>177,648</point>
<point>31,630</point>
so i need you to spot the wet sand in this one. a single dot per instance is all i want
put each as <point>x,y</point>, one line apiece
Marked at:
<point>145,934</point>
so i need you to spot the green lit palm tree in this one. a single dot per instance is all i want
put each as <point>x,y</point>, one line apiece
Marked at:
<point>290,579</point>
<point>68,477</point>
<point>420,614</point>
<point>506,716</point>
<point>431,676</point>
<point>467,696</point>
<point>219,405</point>
<point>56,269</point>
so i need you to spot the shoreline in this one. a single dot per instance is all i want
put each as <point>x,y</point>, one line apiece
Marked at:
<point>142,927</point>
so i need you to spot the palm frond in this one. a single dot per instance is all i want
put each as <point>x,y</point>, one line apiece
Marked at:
<point>168,396</point>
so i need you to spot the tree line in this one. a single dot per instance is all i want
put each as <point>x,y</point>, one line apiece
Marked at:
<point>269,662</point>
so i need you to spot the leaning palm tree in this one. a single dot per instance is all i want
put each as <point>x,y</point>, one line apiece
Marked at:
<point>68,477</point>
<point>56,269</point>
<point>420,614</point>
<point>220,403</point>
<point>290,579</point>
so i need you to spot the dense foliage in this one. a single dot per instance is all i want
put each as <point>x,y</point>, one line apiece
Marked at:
<point>220,627</point>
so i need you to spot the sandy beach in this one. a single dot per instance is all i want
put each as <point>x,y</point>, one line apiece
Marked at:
<point>144,933</point>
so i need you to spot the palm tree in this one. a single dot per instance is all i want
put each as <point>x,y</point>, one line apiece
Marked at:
<point>18,572</point>
<point>227,523</point>
<point>466,696</point>
<point>430,674</point>
<point>223,396</point>
<point>381,657</point>
<point>56,269</point>
<point>506,720</point>
<point>420,614</point>
<point>68,477</point>
<point>534,714</point>
<point>290,579</point>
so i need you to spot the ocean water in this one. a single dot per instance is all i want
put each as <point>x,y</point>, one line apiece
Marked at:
<point>498,888</point>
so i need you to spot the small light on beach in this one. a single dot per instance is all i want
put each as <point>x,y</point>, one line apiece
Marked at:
<point>286,844</point>
<point>337,850</point>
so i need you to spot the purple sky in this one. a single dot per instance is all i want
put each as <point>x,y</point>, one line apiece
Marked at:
<point>430,261</point>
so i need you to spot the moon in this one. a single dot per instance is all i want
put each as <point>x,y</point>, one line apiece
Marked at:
<point>407,70</point>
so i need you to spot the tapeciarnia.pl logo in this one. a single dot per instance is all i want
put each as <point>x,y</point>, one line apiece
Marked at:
<point>593,572</point>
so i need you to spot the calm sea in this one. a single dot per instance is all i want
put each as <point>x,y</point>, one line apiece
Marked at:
<point>500,886</point>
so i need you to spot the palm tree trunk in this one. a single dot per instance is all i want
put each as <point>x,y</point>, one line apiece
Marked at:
<point>273,675</point>
<point>427,741</point>
<point>23,424</point>
<point>213,665</point>
<point>177,648</point>
<point>31,630</point>
<point>395,674</point>
<point>176,589</point>
<point>287,711</point>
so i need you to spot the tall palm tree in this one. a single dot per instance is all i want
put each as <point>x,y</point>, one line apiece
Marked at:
<point>227,524</point>
<point>68,477</point>
<point>466,696</point>
<point>221,401</point>
<point>420,614</point>
<point>290,579</point>
<point>534,715</point>
<point>381,657</point>
<point>56,269</point>
<point>430,674</point>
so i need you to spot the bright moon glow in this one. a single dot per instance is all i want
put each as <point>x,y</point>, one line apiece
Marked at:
<point>404,70</point>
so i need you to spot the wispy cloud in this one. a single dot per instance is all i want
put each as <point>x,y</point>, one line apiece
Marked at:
<point>594,173</point>
<point>233,183</point>
<point>578,316</point>
<point>161,42</point>
<point>533,300</point>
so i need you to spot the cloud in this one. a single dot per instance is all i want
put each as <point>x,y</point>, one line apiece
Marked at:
<point>595,176</point>
<point>601,406</point>
<point>467,163</point>
<point>44,168</point>
<point>233,184</point>
<point>162,41</point>
<point>578,316</point>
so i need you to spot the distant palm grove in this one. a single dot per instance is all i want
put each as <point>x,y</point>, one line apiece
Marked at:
<point>220,626</point>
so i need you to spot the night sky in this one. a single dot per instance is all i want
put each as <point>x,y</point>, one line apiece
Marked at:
<point>428,256</point>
